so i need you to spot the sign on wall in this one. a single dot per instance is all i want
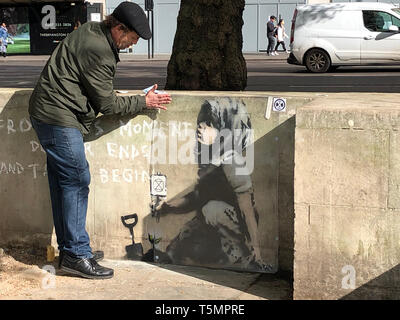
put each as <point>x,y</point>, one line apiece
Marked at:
<point>40,27</point>
<point>17,24</point>
<point>52,22</point>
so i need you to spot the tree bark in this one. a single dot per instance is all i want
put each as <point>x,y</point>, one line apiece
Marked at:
<point>207,51</point>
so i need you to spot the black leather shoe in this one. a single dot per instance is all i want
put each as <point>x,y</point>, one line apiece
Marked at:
<point>85,267</point>
<point>97,255</point>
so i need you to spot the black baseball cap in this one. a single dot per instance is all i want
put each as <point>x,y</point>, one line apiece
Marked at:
<point>133,16</point>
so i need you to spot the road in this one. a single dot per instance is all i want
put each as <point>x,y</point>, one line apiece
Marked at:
<point>263,75</point>
<point>280,76</point>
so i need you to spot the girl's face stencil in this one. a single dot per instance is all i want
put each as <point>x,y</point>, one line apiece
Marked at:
<point>206,134</point>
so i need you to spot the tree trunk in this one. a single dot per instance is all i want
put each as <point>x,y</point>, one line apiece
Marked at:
<point>207,52</point>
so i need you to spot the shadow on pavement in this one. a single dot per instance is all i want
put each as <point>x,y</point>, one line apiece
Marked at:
<point>278,286</point>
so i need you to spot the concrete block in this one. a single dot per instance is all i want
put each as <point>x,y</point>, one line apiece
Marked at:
<point>118,152</point>
<point>335,243</point>
<point>342,167</point>
<point>346,186</point>
<point>394,167</point>
<point>362,111</point>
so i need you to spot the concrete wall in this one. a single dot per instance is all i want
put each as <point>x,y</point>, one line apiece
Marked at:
<point>118,151</point>
<point>347,178</point>
<point>326,186</point>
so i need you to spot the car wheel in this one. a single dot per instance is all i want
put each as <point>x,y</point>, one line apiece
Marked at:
<point>317,61</point>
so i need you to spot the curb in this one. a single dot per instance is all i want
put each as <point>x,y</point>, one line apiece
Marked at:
<point>135,58</point>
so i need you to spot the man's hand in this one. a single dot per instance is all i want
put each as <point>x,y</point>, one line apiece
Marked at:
<point>156,100</point>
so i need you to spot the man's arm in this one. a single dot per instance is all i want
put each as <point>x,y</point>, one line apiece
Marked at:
<point>156,100</point>
<point>97,81</point>
<point>270,27</point>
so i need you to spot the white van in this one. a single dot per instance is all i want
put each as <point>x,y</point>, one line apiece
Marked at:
<point>325,36</point>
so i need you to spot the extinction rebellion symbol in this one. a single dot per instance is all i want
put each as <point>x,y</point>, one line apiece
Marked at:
<point>158,185</point>
<point>279,104</point>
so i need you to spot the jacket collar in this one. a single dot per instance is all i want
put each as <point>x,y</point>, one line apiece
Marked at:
<point>107,33</point>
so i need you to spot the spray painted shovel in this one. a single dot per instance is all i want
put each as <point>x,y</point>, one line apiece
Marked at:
<point>135,250</point>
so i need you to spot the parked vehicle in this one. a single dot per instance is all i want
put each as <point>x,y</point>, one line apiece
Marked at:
<point>326,36</point>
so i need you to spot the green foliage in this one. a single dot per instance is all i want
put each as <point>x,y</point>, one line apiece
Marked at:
<point>153,240</point>
<point>19,46</point>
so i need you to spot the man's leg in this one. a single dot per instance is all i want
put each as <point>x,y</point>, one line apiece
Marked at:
<point>56,203</point>
<point>270,49</point>
<point>46,138</point>
<point>70,171</point>
<point>69,178</point>
<point>57,209</point>
<point>69,159</point>
<point>271,44</point>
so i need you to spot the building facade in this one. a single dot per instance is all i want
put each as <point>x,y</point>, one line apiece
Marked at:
<point>36,27</point>
<point>255,17</point>
<point>27,16</point>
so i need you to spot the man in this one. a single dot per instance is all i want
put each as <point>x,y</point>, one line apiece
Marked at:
<point>75,85</point>
<point>271,36</point>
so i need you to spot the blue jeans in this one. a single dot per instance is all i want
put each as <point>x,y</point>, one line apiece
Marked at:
<point>69,179</point>
<point>271,44</point>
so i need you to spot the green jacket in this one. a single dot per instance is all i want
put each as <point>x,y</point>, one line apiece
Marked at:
<point>77,81</point>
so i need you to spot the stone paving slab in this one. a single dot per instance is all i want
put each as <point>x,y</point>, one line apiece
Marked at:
<point>134,280</point>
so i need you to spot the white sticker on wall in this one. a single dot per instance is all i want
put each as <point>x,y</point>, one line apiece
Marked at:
<point>158,185</point>
<point>279,104</point>
<point>269,108</point>
<point>95,17</point>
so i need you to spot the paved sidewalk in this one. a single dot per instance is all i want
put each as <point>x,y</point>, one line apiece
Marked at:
<point>144,57</point>
<point>134,280</point>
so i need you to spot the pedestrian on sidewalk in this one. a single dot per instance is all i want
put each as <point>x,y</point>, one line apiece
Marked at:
<point>281,35</point>
<point>75,85</point>
<point>4,35</point>
<point>271,35</point>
